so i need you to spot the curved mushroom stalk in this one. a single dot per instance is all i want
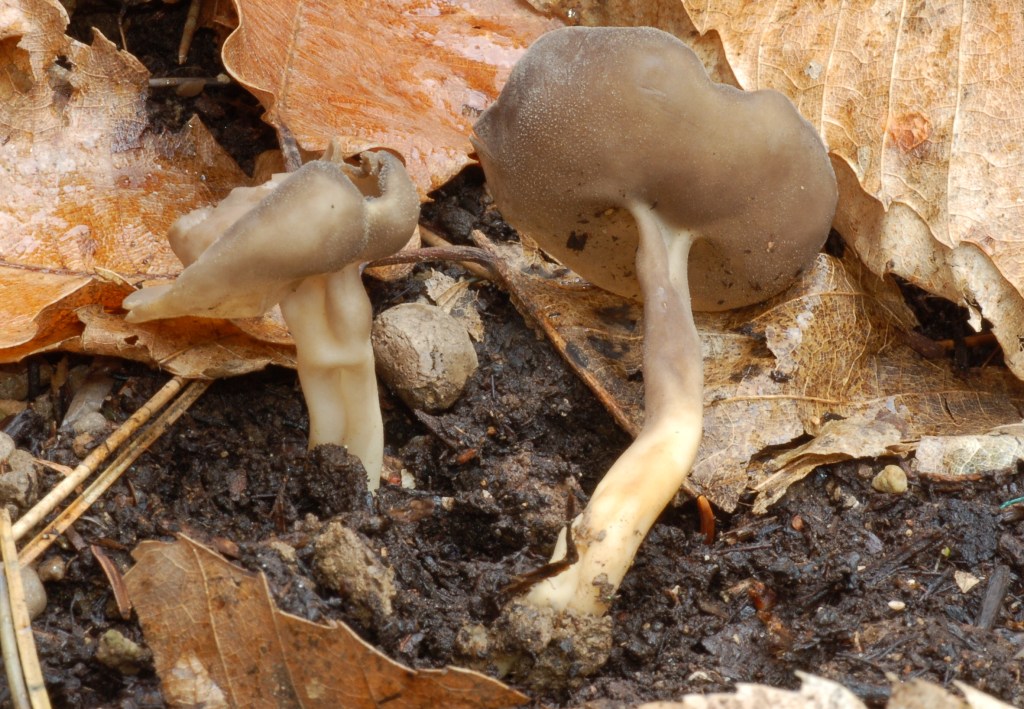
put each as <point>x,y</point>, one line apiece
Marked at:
<point>299,241</point>
<point>645,478</point>
<point>612,148</point>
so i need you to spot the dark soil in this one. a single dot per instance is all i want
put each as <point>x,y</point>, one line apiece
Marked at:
<point>808,587</point>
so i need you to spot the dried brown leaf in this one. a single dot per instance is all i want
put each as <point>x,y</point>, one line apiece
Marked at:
<point>193,347</point>
<point>838,440</point>
<point>970,457</point>
<point>832,346</point>
<point>90,192</point>
<point>402,74</point>
<point>922,109</point>
<point>215,633</point>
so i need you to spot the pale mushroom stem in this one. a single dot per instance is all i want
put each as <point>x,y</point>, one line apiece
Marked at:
<point>330,316</point>
<point>646,477</point>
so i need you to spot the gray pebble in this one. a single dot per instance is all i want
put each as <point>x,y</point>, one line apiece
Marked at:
<point>35,594</point>
<point>423,354</point>
<point>19,476</point>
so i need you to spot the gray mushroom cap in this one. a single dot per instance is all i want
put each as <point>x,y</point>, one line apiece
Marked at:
<point>594,120</point>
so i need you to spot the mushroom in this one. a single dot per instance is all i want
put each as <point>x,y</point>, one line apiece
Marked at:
<point>613,149</point>
<point>299,241</point>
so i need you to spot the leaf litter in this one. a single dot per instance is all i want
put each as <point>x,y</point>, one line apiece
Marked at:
<point>638,644</point>
<point>193,604</point>
<point>234,473</point>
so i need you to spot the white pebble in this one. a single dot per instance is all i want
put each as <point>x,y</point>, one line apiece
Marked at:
<point>891,479</point>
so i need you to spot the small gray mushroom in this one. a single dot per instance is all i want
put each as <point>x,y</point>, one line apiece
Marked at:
<point>300,241</point>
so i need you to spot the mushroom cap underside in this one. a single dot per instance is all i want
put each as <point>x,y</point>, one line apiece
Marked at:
<point>595,121</point>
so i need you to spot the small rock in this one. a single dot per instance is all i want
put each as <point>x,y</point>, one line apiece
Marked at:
<point>35,594</point>
<point>94,387</point>
<point>19,479</point>
<point>43,406</point>
<point>346,564</point>
<point>423,354</point>
<point>92,422</point>
<point>6,446</point>
<point>285,551</point>
<point>11,407</point>
<point>121,654</point>
<point>891,479</point>
<point>83,444</point>
<point>408,480</point>
<point>848,500</point>
<point>14,380</point>
<point>473,642</point>
<point>13,385</point>
<point>52,569</point>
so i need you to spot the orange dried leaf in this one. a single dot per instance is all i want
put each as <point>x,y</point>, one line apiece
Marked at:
<point>407,75</point>
<point>215,633</point>
<point>90,191</point>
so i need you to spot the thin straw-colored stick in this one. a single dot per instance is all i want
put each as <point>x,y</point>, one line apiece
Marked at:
<point>30,669</point>
<point>9,648</point>
<point>65,487</point>
<point>109,476</point>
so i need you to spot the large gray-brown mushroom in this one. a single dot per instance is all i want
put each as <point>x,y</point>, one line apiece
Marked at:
<point>299,240</point>
<point>614,150</point>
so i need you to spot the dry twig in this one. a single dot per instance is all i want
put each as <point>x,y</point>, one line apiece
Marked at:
<point>486,271</point>
<point>188,32</point>
<point>9,648</point>
<point>86,468</point>
<point>108,477</point>
<point>31,673</point>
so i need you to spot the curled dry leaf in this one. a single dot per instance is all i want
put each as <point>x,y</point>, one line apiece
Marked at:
<point>838,440</point>
<point>970,457</point>
<point>403,74</point>
<point>832,346</point>
<point>89,193</point>
<point>236,646</point>
<point>921,107</point>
